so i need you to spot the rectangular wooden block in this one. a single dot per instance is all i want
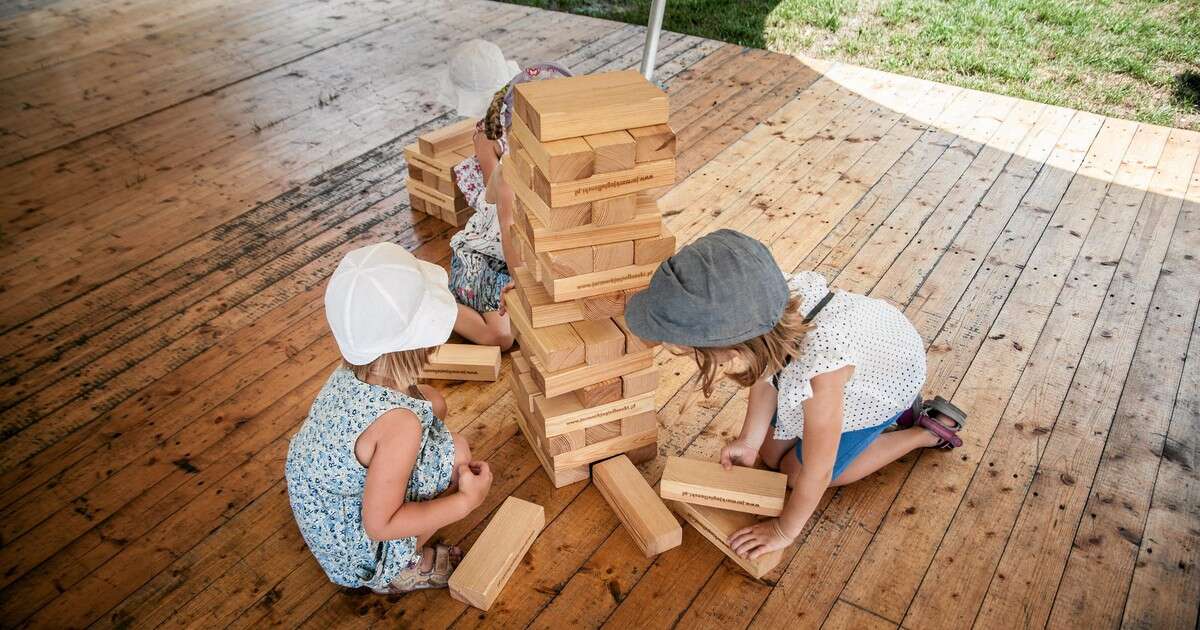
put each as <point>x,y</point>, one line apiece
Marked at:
<point>486,568</point>
<point>442,166</point>
<point>646,223</point>
<point>656,249</point>
<point>741,489</point>
<point>633,343</point>
<point>557,347</point>
<point>602,432</point>
<point>612,256</point>
<point>652,526</point>
<point>531,203</point>
<point>571,379</point>
<point>612,151</point>
<point>718,525</point>
<point>656,142</point>
<point>463,362</point>
<point>559,478</point>
<point>445,140</point>
<point>639,382</point>
<point>539,308</point>
<point>590,104</point>
<point>571,262</point>
<point>604,449</point>
<point>600,393</point>
<point>558,160</point>
<point>599,282</point>
<point>639,423</point>
<point>614,210</point>
<point>601,306</point>
<point>603,185</point>
<point>446,201</point>
<point>570,441</point>
<point>602,340</point>
<point>563,413</point>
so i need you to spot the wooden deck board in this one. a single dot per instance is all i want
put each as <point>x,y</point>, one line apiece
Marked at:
<point>165,256</point>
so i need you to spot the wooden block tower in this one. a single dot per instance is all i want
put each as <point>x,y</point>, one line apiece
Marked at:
<point>586,157</point>
<point>432,188</point>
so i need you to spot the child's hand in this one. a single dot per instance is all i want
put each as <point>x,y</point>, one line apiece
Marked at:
<point>738,453</point>
<point>474,481</point>
<point>503,307</point>
<point>759,539</point>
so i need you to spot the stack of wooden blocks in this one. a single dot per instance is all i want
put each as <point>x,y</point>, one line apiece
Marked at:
<point>432,187</point>
<point>587,157</point>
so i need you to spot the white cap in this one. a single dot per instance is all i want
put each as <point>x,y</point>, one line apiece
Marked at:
<point>476,69</point>
<point>382,299</point>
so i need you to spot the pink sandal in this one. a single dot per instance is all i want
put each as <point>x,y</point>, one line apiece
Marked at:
<point>923,414</point>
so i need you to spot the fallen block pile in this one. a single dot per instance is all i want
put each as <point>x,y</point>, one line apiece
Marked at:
<point>432,187</point>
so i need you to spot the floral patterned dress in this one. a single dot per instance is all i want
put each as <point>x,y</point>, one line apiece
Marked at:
<point>478,271</point>
<point>325,481</point>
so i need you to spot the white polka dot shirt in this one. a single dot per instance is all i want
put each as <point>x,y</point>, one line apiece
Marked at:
<point>883,346</point>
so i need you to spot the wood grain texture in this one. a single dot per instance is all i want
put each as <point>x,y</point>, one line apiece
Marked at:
<point>651,525</point>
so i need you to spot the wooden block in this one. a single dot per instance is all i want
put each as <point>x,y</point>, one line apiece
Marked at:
<point>445,140</point>
<point>463,362</point>
<point>559,478</point>
<point>601,306</point>
<point>447,187</point>
<point>442,166</point>
<point>605,449</point>
<point>612,256</point>
<point>652,250</point>
<point>570,441</point>
<point>599,282</point>
<point>602,340</point>
<point>603,185</point>
<point>639,382</point>
<point>602,432</point>
<point>652,526</point>
<point>570,262</point>
<point>563,414</point>
<point>571,379</point>
<point>523,390</point>
<point>557,345</point>
<point>718,525</point>
<point>415,172</point>
<point>647,223</point>
<point>707,483</point>
<point>656,142</point>
<point>614,209</point>
<point>600,393</point>
<point>435,195</point>
<point>431,180</point>
<point>520,363</point>
<point>590,104</point>
<point>613,151</point>
<point>531,203</point>
<point>517,165</point>
<point>639,423</point>
<point>416,203</point>
<point>486,568</point>
<point>633,343</point>
<point>558,160</point>
<point>539,308</point>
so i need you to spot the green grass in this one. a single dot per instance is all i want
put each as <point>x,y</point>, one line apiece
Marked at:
<point>1136,59</point>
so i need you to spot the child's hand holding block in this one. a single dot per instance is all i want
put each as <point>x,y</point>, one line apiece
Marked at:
<point>646,518</point>
<point>718,525</point>
<point>707,483</point>
<point>486,568</point>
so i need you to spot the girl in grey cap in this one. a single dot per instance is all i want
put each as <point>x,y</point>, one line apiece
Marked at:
<point>827,372</point>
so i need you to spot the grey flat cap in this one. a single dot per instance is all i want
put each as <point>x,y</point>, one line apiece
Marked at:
<point>722,289</point>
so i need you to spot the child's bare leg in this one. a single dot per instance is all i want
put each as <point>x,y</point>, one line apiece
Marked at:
<point>885,449</point>
<point>488,329</point>
<point>773,450</point>
<point>501,328</point>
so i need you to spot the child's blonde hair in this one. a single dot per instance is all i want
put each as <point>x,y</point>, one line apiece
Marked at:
<point>396,370</point>
<point>765,354</point>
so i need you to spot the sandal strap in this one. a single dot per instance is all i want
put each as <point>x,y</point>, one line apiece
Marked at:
<point>949,436</point>
<point>441,560</point>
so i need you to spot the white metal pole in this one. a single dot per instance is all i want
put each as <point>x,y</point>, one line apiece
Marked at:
<point>652,31</point>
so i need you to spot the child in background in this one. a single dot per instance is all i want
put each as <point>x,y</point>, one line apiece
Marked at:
<point>828,372</point>
<point>373,473</point>
<point>481,251</point>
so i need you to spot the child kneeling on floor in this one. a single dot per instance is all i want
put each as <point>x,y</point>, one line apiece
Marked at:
<point>373,473</point>
<point>828,372</point>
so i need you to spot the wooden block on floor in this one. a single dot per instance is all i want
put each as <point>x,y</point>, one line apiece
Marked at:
<point>613,151</point>
<point>563,413</point>
<point>590,104</point>
<point>463,362</point>
<point>602,340</point>
<point>646,223</point>
<point>603,185</point>
<point>656,142</point>
<point>718,525</point>
<point>601,306</point>
<point>554,383</point>
<point>652,526</point>
<point>600,393</point>
<point>613,210</point>
<point>612,256</point>
<point>639,423</point>
<point>486,568</point>
<point>557,347</point>
<point>558,478</point>
<point>558,160</point>
<point>445,140</point>
<point>633,343</point>
<point>653,250</point>
<point>571,262</point>
<point>741,489</point>
<point>639,382</point>
<point>602,432</point>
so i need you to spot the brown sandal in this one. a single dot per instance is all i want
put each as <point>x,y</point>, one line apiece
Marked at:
<point>445,560</point>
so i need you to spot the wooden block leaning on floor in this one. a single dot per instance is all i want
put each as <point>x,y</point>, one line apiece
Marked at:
<point>463,362</point>
<point>486,568</point>
<point>718,525</point>
<point>741,489</point>
<point>651,525</point>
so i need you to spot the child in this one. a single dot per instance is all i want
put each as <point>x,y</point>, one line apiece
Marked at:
<point>373,472</point>
<point>482,251</point>
<point>827,371</point>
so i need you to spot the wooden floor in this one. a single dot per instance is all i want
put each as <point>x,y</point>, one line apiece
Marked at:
<point>177,179</point>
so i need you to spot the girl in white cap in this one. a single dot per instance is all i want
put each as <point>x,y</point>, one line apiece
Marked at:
<point>373,472</point>
<point>479,83</point>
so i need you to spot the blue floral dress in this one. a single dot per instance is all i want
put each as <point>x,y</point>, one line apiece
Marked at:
<point>325,480</point>
<point>478,271</point>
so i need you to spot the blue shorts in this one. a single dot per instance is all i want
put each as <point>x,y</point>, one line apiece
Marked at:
<point>852,444</point>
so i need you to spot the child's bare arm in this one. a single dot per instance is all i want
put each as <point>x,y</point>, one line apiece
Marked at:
<point>759,410</point>
<point>822,433</point>
<point>505,198</point>
<point>487,152</point>
<point>386,515</point>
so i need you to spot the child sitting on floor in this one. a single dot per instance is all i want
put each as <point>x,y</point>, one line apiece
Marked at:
<point>827,372</point>
<point>373,472</point>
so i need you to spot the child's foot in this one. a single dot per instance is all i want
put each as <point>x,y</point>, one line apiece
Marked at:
<point>433,571</point>
<point>942,420</point>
